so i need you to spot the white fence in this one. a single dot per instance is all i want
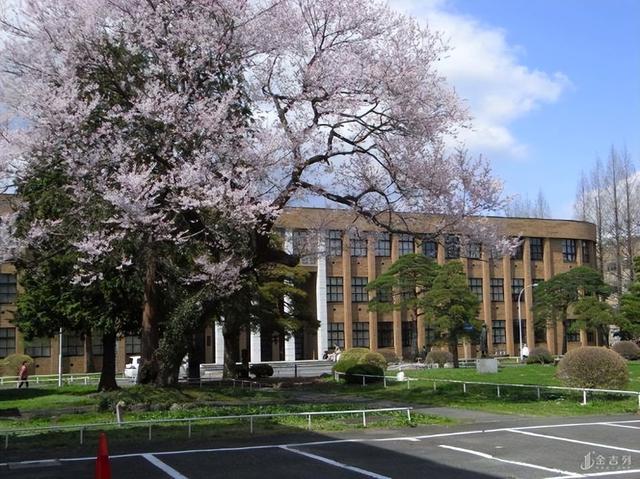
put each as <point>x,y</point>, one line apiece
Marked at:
<point>84,378</point>
<point>499,387</point>
<point>82,428</point>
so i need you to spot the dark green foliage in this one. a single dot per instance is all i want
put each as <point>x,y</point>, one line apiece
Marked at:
<point>627,349</point>
<point>344,364</point>
<point>354,353</point>
<point>439,357</point>
<point>593,367</point>
<point>261,370</point>
<point>375,359</point>
<point>630,305</point>
<point>10,365</point>
<point>540,355</point>
<point>354,374</point>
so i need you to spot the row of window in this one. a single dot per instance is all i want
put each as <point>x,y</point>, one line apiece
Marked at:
<point>452,247</point>
<point>359,292</point>
<point>361,337</point>
<point>71,345</point>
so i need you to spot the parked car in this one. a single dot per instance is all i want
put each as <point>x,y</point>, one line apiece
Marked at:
<point>131,369</point>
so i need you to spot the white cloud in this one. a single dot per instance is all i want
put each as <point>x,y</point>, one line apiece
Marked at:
<point>488,74</point>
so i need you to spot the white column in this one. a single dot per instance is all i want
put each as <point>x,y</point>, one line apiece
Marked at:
<point>219,342</point>
<point>290,342</point>
<point>321,298</point>
<point>254,344</point>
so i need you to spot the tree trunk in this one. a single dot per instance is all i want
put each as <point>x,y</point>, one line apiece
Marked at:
<point>196,354</point>
<point>148,371</point>
<point>453,349</point>
<point>231,339</point>
<point>108,373</point>
<point>89,366</point>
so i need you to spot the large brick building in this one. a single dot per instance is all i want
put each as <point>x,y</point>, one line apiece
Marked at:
<point>343,253</point>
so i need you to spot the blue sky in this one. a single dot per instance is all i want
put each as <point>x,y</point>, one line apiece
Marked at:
<point>551,84</point>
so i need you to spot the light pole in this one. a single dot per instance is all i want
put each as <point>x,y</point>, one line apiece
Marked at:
<point>520,314</point>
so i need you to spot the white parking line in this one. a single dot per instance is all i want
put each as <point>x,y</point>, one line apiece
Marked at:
<point>600,474</point>
<point>164,467</point>
<point>567,474</point>
<point>575,441</point>
<point>364,472</point>
<point>620,425</point>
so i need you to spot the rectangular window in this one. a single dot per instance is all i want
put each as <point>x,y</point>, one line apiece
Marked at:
<point>452,247</point>
<point>517,285</point>
<point>383,244</point>
<point>409,334</point>
<point>132,345</point>
<point>516,331</point>
<point>474,250</point>
<point>7,341</point>
<point>359,289</point>
<point>430,249</point>
<point>385,334</point>
<point>573,337</point>
<point>383,295</point>
<point>334,289</point>
<point>96,344</point>
<point>72,345</point>
<point>586,252</point>
<point>497,289</point>
<point>569,250</point>
<point>405,244</point>
<point>360,335</point>
<point>358,245</point>
<point>429,335</point>
<point>334,243</point>
<point>475,285</point>
<point>499,332</point>
<point>536,248</point>
<point>335,335</point>
<point>7,288</point>
<point>518,252</point>
<point>38,347</point>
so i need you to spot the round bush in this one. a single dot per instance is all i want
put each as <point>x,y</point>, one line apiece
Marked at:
<point>357,356</point>
<point>10,365</point>
<point>439,358</point>
<point>354,374</point>
<point>627,349</point>
<point>593,367</point>
<point>261,370</point>
<point>539,355</point>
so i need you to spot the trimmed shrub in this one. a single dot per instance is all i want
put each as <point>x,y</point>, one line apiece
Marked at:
<point>358,356</point>
<point>439,358</point>
<point>10,365</point>
<point>627,349</point>
<point>539,355</point>
<point>367,369</point>
<point>261,370</point>
<point>593,367</point>
<point>389,356</point>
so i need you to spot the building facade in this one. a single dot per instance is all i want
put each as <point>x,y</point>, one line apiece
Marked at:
<point>343,254</point>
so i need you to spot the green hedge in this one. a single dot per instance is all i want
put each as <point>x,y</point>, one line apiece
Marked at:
<point>359,356</point>
<point>353,374</point>
<point>593,367</point>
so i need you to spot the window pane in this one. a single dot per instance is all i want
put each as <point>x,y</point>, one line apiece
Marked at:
<point>38,347</point>
<point>499,332</point>
<point>497,289</point>
<point>334,289</point>
<point>72,345</point>
<point>7,288</point>
<point>475,285</point>
<point>385,334</point>
<point>569,250</point>
<point>132,345</point>
<point>536,249</point>
<point>405,244</point>
<point>409,334</point>
<point>383,244</point>
<point>474,250</point>
<point>334,243</point>
<point>360,335</point>
<point>430,249</point>
<point>359,289</point>
<point>358,246</point>
<point>335,335</point>
<point>452,247</point>
<point>7,341</point>
<point>517,285</point>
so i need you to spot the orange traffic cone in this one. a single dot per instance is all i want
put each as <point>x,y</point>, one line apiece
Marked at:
<point>103,468</point>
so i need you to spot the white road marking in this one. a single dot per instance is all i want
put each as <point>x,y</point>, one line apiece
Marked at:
<point>164,467</point>
<point>566,474</point>
<point>600,474</point>
<point>547,426</point>
<point>620,425</point>
<point>364,472</point>
<point>575,441</point>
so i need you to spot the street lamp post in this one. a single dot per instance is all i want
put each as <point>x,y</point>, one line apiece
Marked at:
<point>520,314</point>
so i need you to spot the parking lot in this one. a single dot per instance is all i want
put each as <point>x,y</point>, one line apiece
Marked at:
<point>582,448</point>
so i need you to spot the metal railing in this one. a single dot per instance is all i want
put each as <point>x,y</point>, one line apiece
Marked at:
<point>82,428</point>
<point>85,378</point>
<point>498,386</point>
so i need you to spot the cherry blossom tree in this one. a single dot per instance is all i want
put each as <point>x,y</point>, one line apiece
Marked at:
<point>183,127</point>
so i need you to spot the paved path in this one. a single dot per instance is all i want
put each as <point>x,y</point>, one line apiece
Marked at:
<point>515,448</point>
